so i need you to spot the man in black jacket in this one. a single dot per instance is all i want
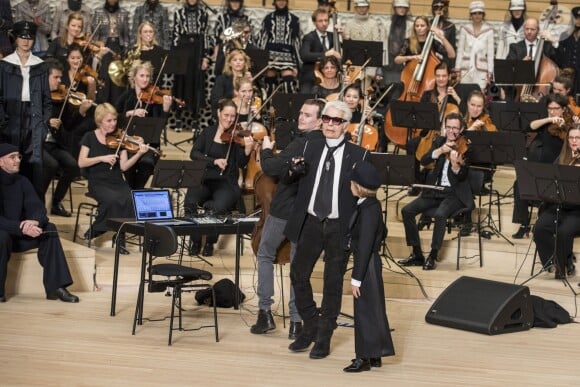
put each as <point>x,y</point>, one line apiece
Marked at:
<point>320,223</point>
<point>24,226</point>
<point>526,49</point>
<point>450,173</point>
<point>281,209</point>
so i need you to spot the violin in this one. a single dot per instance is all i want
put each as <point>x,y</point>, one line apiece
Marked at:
<point>235,134</point>
<point>86,71</point>
<point>461,146</point>
<point>85,42</point>
<point>129,143</point>
<point>59,94</point>
<point>153,94</point>
<point>75,98</point>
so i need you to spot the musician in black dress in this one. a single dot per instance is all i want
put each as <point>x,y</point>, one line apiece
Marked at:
<point>545,148</point>
<point>134,102</point>
<point>331,81</point>
<point>568,227</point>
<point>103,167</point>
<point>219,190</point>
<point>372,335</point>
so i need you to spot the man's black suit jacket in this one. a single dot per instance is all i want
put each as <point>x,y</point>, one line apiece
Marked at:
<point>459,182</point>
<point>346,201</point>
<point>519,50</point>
<point>312,51</point>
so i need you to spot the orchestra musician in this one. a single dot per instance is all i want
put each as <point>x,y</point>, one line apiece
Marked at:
<point>447,28</point>
<point>74,73</point>
<point>315,46</point>
<point>135,102</point>
<point>61,19</point>
<point>477,118</point>
<point>545,148</point>
<point>280,36</point>
<point>157,16</point>
<point>353,97</point>
<point>219,191</point>
<point>512,29</point>
<point>451,173</point>
<point>331,82</point>
<point>148,48</point>
<point>56,154</point>
<point>102,164</point>
<point>281,209</point>
<point>526,49</point>
<point>442,94</point>
<point>475,48</point>
<point>569,50</point>
<point>237,65</point>
<point>247,103</point>
<point>413,46</point>
<point>233,15</point>
<point>562,85</point>
<point>243,42</point>
<point>567,217</point>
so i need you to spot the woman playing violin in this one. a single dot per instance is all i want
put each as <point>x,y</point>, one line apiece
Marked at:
<point>330,82</point>
<point>75,75</point>
<point>353,97</point>
<point>103,168</point>
<point>219,191</point>
<point>568,225</point>
<point>247,103</point>
<point>237,66</point>
<point>134,102</point>
<point>477,118</point>
<point>413,46</point>
<point>545,148</point>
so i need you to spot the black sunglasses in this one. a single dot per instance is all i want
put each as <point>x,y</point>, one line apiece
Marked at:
<point>335,120</point>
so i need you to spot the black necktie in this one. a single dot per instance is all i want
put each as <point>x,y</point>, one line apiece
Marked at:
<point>323,199</point>
<point>530,50</point>
<point>324,45</point>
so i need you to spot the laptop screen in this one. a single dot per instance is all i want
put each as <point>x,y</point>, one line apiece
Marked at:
<point>152,204</point>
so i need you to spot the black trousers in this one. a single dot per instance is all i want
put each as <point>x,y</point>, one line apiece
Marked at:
<point>50,256</point>
<point>56,158</point>
<point>138,174</point>
<point>318,236</point>
<point>568,229</point>
<point>446,205</point>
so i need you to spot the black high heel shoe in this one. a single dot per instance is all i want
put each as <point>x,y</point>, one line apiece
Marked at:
<point>524,230</point>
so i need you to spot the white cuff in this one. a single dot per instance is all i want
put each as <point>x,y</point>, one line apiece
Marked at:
<point>354,282</point>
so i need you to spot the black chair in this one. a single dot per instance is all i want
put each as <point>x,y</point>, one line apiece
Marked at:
<point>476,183</point>
<point>161,241</point>
<point>91,208</point>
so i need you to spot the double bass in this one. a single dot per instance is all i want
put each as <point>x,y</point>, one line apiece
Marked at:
<point>264,189</point>
<point>417,76</point>
<point>544,68</point>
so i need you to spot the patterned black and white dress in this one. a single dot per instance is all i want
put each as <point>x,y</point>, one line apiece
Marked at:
<point>280,35</point>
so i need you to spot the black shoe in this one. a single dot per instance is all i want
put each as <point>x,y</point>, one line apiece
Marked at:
<point>376,362</point>
<point>522,231</point>
<point>3,298</point>
<point>63,295</point>
<point>194,248</point>
<point>59,210</point>
<point>413,260</point>
<point>207,250</point>
<point>358,365</point>
<point>264,324</point>
<point>295,330</point>
<point>321,348</point>
<point>302,343</point>
<point>430,262</point>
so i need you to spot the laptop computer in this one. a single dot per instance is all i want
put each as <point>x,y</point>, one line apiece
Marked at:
<point>154,206</point>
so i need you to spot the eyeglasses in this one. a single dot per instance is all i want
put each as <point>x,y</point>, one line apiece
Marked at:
<point>574,138</point>
<point>335,120</point>
<point>453,128</point>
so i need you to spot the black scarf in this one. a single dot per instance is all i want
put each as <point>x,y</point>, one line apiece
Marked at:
<point>74,5</point>
<point>397,34</point>
<point>517,23</point>
<point>281,11</point>
<point>191,8</point>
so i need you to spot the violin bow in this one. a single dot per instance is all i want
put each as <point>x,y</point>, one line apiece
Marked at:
<point>68,93</point>
<point>344,86</point>
<point>266,101</point>
<point>92,35</point>
<point>154,83</point>
<point>233,127</point>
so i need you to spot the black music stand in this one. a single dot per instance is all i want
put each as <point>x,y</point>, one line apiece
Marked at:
<point>359,51</point>
<point>551,183</point>
<point>288,105</point>
<point>177,174</point>
<point>511,73</point>
<point>493,149</point>
<point>150,128</point>
<point>394,170</point>
<point>406,114</point>
<point>258,59</point>
<point>515,116</point>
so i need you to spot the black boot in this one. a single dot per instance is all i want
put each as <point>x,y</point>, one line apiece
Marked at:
<point>524,230</point>
<point>264,324</point>
<point>295,329</point>
<point>305,338</point>
<point>321,347</point>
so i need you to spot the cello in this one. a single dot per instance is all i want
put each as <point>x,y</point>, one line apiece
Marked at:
<point>264,189</point>
<point>417,76</point>
<point>544,68</point>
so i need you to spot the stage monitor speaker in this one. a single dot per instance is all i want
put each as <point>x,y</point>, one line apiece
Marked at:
<point>483,306</point>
